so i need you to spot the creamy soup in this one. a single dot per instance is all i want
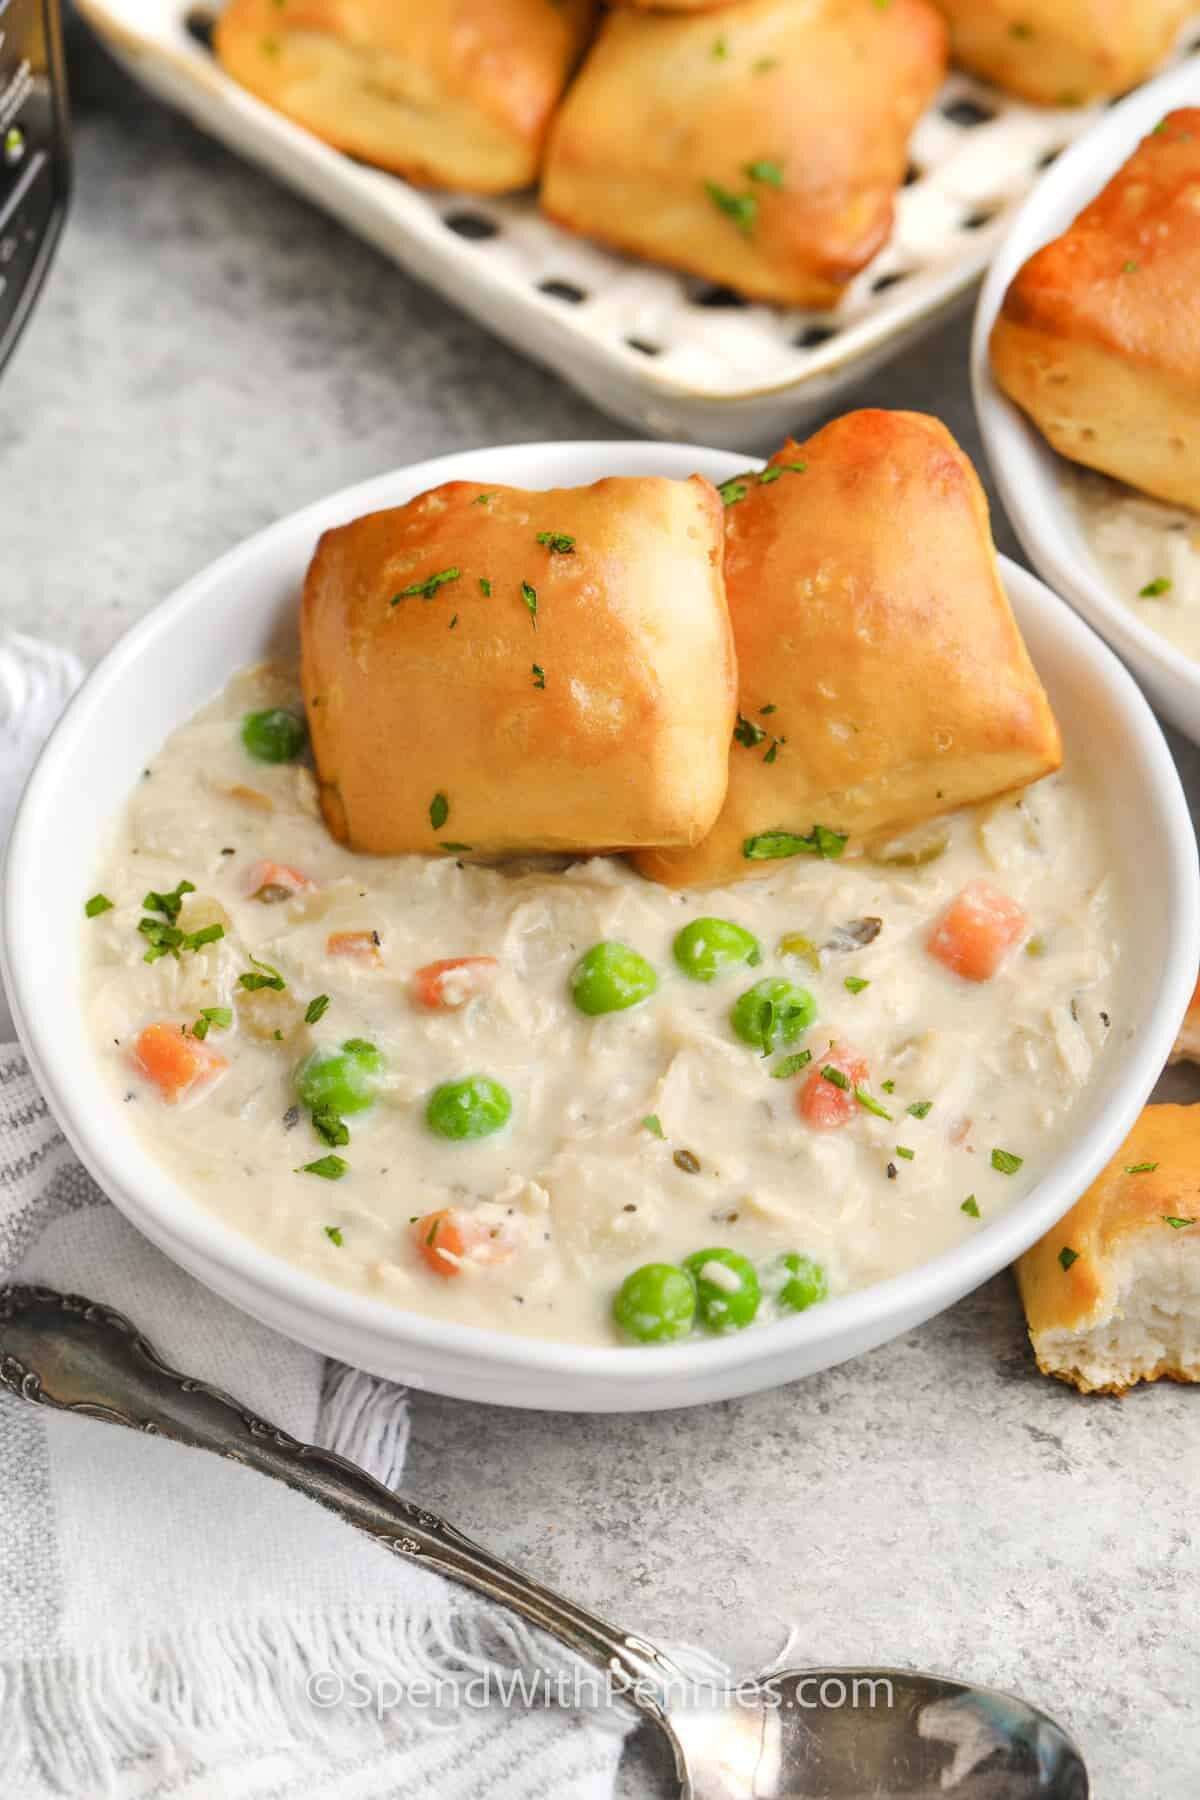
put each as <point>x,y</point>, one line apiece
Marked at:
<point>694,1119</point>
<point>1149,551</point>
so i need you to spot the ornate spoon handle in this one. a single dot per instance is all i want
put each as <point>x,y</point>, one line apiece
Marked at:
<point>64,1351</point>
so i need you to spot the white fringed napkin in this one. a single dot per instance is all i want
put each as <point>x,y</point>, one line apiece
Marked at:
<point>174,1625</point>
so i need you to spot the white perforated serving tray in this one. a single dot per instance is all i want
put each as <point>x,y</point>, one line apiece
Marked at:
<point>673,355</point>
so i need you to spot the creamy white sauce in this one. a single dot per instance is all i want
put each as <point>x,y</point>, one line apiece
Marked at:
<point>578,1189</point>
<point>1141,543</point>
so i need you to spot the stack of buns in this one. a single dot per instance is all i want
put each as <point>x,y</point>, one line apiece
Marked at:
<point>707,679</point>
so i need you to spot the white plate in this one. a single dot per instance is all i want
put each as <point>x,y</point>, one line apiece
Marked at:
<point>674,356</point>
<point>1029,474</point>
<point>243,608</point>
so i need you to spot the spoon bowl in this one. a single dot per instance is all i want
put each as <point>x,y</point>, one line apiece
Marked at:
<point>791,1734</point>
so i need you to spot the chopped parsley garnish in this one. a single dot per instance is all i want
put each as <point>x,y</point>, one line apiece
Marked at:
<point>776,746</point>
<point>765,64</point>
<point>1153,589</point>
<point>99,903</point>
<point>733,490</point>
<point>1176,1224</point>
<point>834,1075</point>
<point>539,675</point>
<point>485,587</point>
<point>970,1206</point>
<point>316,1009</point>
<point>329,1168</point>
<point>720,49</point>
<point>557,542</point>
<point>529,596</point>
<point>163,939</point>
<point>220,1016</point>
<point>854,984</point>
<point>1005,1163</point>
<point>747,732</point>
<point>770,707</point>
<point>1067,1256</point>
<point>776,472</point>
<point>169,904</point>
<point>766,171</point>
<point>269,978</point>
<point>207,934</point>
<point>920,1109</point>
<point>868,1101</point>
<point>905,1152</point>
<point>331,1129</point>
<point>334,1232</point>
<point>453,622</point>
<point>768,845</point>
<point>1129,268</point>
<point>1145,1168</point>
<point>482,499</point>
<point>889,1087</point>
<point>427,588</point>
<point>439,811</point>
<point>455,849</point>
<point>791,1065</point>
<point>741,208</point>
<point>653,1124</point>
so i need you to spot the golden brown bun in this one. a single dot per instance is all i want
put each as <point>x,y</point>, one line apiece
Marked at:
<point>1098,338</point>
<point>1063,52</point>
<point>654,146</point>
<point>1187,1044</point>
<point>626,743</point>
<point>453,94</point>
<point>868,613</point>
<point>1126,1307</point>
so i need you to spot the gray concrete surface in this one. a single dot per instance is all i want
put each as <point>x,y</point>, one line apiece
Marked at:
<point>211,354</point>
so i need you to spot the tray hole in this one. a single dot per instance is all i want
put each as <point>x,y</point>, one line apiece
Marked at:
<point>812,335</point>
<point>882,283</point>
<point>473,226</point>
<point>563,290</point>
<point>643,347</point>
<point>717,296</point>
<point>967,113</point>
<point>1047,157</point>
<point>200,23</point>
<point>975,221</point>
<point>911,175</point>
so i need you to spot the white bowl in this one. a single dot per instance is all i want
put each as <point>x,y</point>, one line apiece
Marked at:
<point>1029,474</point>
<point>244,607</point>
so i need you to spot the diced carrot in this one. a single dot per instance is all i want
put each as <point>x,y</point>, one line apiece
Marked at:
<point>363,946</point>
<point>175,1061</point>
<point>440,1241</point>
<point>272,881</point>
<point>977,930</point>
<point>448,1238</point>
<point>824,1104</point>
<point>446,985</point>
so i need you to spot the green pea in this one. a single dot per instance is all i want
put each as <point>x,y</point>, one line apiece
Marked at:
<point>656,1303</point>
<point>807,1283</point>
<point>340,1081</point>
<point>773,1011</point>
<point>726,1301</point>
<point>471,1108</point>
<point>611,977</point>
<point>274,736</point>
<point>707,947</point>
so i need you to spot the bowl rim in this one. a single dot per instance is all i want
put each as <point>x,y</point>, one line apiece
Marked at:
<point>1020,458</point>
<point>162,1207</point>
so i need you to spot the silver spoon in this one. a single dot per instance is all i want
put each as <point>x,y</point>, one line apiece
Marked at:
<point>807,1734</point>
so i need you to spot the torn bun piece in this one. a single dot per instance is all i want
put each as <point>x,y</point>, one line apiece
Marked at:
<point>882,676</point>
<point>1112,1293</point>
<point>454,96</point>
<point>761,147</point>
<point>492,670</point>
<point>1098,337</point>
